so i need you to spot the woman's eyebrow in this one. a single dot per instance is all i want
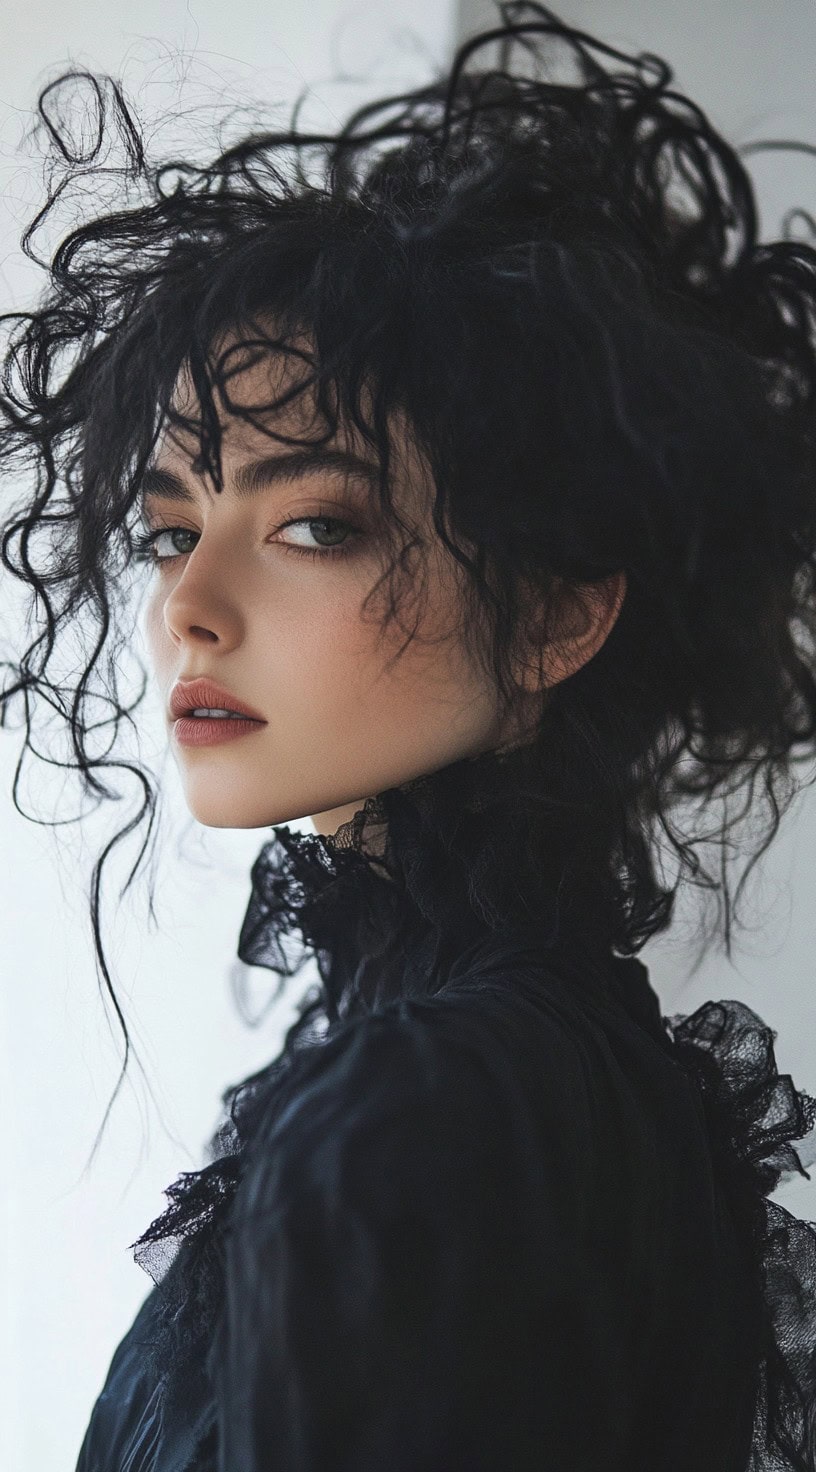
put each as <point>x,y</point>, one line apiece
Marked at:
<point>256,475</point>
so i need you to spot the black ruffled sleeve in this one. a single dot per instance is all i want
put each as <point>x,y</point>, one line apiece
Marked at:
<point>753,1114</point>
<point>511,1226</point>
<point>403,1290</point>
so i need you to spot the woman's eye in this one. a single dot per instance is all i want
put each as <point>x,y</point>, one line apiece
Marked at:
<point>329,528</point>
<point>147,545</point>
<point>333,548</point>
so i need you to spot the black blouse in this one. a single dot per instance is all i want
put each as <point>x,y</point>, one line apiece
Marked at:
<point>487,1211</point>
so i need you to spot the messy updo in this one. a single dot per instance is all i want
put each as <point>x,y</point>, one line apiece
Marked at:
<point>558,285</point>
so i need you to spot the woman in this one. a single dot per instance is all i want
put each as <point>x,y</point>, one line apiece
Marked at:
<point>475,477</point>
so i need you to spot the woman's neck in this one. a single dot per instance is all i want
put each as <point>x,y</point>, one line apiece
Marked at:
<point>329,821</point>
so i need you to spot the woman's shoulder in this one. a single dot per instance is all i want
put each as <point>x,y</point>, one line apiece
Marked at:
<point>506,1072</point>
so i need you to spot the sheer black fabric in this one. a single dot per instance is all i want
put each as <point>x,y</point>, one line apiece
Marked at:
<point>487,1209</point>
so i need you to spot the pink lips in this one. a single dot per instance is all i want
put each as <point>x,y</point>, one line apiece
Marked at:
<point>210,730</point>
<point>205,694</point>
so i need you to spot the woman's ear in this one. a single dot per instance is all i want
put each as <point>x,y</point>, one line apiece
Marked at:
<point>585,617</point>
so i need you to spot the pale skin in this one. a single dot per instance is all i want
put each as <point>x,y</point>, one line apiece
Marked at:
<point>284,632</point>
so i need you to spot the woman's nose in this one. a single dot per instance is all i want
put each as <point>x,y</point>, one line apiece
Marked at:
<point>202,605</point>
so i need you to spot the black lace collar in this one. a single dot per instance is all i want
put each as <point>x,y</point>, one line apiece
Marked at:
<point>402,895</point>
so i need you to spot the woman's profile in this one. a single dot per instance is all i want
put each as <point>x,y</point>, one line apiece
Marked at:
<point>465,463</point>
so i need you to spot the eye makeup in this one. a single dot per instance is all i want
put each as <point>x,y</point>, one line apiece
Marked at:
<point>145,544</point>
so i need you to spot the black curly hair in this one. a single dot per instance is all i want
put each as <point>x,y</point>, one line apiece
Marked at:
<point>559,285</point>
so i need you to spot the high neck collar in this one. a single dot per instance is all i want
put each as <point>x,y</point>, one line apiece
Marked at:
<point>402,893</point>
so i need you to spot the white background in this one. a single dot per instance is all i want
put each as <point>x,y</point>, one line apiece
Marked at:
<point>71,1286</point>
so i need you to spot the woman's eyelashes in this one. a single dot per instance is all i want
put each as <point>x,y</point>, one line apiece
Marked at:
<point>337,549</point>
<point>147,550</point>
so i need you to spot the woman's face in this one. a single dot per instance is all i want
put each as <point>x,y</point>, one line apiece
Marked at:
<point>242,602</point>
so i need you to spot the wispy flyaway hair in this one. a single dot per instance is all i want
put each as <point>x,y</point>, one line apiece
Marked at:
<point>557,286</point>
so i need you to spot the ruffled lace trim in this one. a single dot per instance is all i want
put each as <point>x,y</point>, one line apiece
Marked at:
<point>753,1114</point>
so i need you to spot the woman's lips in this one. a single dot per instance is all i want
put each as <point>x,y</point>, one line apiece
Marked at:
<point>210,730</point>
<point>189,696</point>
